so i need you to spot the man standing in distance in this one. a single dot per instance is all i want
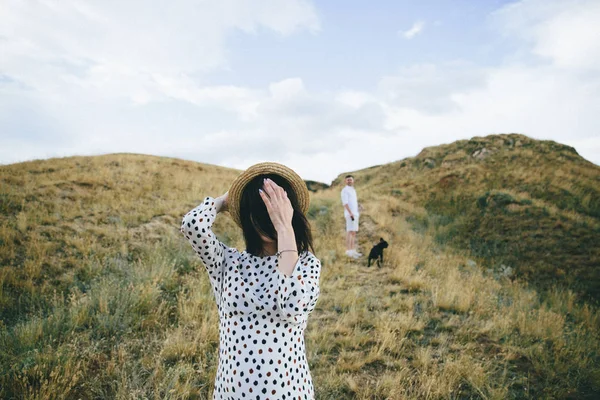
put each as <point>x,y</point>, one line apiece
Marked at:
<point>351,214</point>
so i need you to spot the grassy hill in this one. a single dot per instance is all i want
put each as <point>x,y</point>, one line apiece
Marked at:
<point>101,296</point>
<point>518,205</point>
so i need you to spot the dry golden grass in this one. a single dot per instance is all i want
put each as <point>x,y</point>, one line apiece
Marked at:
<point>102,298</point>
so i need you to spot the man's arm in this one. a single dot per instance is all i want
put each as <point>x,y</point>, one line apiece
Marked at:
<point>345,202</point>
<point>347,207</point>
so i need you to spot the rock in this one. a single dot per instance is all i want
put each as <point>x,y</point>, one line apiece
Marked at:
<point>471,264</point>
<point>429,162</point>
<point>482,153</point>
<point>506,271</point>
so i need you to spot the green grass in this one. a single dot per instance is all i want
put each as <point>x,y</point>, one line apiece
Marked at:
<point>102,297</point>
<point>535,207</point>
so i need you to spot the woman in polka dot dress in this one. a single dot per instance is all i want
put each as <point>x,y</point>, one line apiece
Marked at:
<point>264,294</point>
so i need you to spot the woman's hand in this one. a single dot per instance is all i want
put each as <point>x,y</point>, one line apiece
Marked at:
<point>224,198</point>
<point>278,205</point>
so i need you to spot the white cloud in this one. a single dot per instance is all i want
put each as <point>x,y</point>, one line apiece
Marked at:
<point>121,49</point>
<point>89,78</point>
<point>414,30</point>
<point>287,89</point>
<point>431,88</point>
<point>558,99</point>
<point>566,32</point>
<point>121,76</point>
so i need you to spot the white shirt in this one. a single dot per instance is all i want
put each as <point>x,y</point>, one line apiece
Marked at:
<point>349,197</point>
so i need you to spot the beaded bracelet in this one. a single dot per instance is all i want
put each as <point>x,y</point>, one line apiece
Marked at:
<point>279,252</point>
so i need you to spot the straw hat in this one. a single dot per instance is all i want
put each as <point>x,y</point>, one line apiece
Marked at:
<point>237,187</point>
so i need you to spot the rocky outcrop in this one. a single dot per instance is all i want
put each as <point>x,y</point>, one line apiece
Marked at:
<point>482,153</point>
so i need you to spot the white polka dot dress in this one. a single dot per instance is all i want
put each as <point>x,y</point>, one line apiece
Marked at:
<point>263,314</point>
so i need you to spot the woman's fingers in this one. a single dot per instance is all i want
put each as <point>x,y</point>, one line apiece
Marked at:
<point>267,188</point>
<point>266,199</point>
<point>277,195</point>
<point>277,202</point>
<point>273,190</point>
<point>280,190</point>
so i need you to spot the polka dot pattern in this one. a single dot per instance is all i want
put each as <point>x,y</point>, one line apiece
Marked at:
<point>263,314</point>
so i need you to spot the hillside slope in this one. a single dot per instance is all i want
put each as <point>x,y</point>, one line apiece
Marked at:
<point>101,297</point>
<point>57,214</point>
<point>520,205</point>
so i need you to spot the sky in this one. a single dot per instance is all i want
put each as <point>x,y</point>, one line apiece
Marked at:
<point>323,87</point>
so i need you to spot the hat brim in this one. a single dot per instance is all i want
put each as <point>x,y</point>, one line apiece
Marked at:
<point>237,186</point>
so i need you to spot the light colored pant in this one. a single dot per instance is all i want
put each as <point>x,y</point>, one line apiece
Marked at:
<point>352,225</point>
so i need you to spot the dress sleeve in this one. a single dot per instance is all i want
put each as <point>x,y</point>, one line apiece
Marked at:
<point>297,294</point>
<point>196,227</point>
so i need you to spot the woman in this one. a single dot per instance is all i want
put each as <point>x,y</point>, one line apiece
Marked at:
<point>265,293</point>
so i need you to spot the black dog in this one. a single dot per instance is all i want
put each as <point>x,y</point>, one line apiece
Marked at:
<point>377,252</point>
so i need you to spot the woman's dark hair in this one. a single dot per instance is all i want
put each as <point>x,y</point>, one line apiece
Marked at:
<point>255,217</point>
